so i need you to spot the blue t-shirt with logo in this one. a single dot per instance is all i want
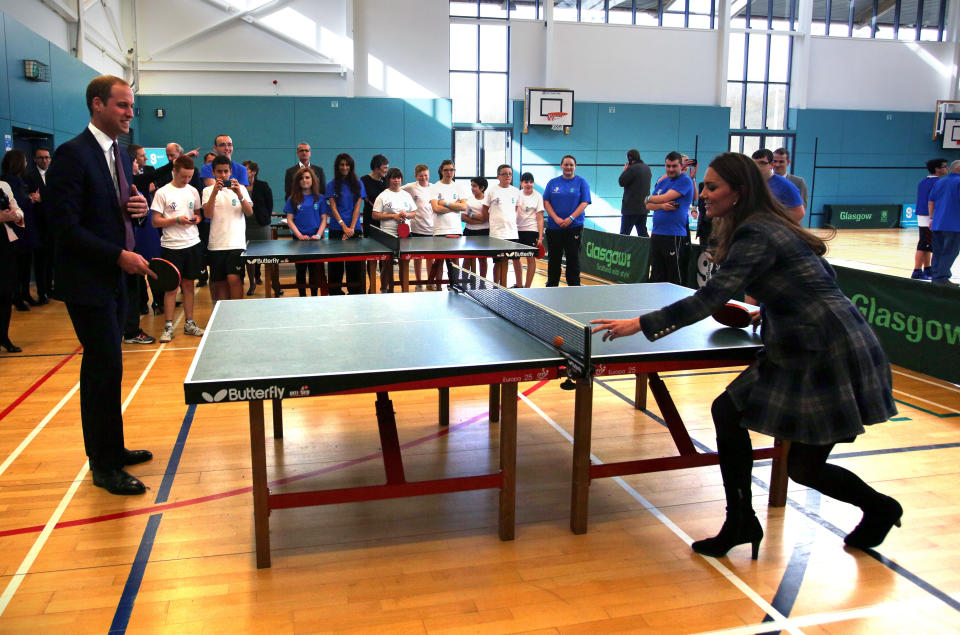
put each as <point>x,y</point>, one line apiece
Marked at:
<point>784,191</point>
<point>946,204</point>
<point>565,195</point>
<point>923,194</point>
<point>673,222</point>
<point>345,202</point>
<point>306,215</point>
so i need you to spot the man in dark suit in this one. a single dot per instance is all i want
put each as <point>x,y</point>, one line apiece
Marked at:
<point>92,206</point>
<point>303,154</point>
<point>43,255</point>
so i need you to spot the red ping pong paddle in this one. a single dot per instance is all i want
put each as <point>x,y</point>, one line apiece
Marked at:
<point>733,315</point>
<point>168,276</point>
<point>403,229</point>
<point>541,251</point>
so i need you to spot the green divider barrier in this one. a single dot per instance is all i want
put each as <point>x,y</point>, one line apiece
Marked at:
<point>614,257</point>
<point>917,323</point>
<point>862,216</point>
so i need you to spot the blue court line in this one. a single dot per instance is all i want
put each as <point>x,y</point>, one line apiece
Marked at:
<point>815,517</point>
<point>121,616</point>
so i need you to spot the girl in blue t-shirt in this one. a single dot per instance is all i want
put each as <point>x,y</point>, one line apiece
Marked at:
<point>307,219</point>
<point>345,194</point>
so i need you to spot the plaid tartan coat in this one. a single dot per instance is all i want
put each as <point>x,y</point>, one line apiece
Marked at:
<point>822,375</point>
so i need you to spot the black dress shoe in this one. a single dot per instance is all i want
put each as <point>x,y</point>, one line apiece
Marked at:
<point>31,301</point>
<point>133,457</point>
<point>43,299</point>
<point>10,347</point>
<point>20,305</point>
<point>118,482</point>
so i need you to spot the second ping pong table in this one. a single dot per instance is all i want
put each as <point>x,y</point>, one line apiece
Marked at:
<point>379,245</point>
<point>469,337</point>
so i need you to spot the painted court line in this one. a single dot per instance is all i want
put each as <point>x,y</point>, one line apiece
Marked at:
<point>932,403</point>
<point>36,430</point>
<point>41,540</point>
<point>716,564</point>
<point>29,391</point>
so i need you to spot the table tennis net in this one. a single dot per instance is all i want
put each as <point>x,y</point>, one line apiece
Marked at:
<point>388,240</point>
<point>540,321</point>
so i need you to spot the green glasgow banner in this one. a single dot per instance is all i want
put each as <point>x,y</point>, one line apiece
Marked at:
<point>917,323</point>
<point>614,257</point>
<point>863,216</point>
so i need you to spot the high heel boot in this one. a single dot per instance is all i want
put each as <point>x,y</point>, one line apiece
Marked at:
<point>878,519</point>
<point>741,526</point>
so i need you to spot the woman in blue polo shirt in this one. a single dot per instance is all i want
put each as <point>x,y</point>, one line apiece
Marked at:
<point>565,198</point>
<point>345,193</point>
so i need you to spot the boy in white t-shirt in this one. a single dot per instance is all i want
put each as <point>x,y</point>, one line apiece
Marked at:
<point>500,205</point>
<point>530,221</point>
<point>176,205</point>
<point>226,203</point>
<point>392,205</point>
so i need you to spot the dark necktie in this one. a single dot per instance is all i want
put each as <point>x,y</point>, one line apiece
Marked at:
<point>123,195</point>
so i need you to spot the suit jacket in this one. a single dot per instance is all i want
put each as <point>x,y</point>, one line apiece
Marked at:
<point>635,181</point>
<point>88,222</point>
<point>291,171</point>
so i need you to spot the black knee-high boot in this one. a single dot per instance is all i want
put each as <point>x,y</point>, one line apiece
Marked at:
<point>736,461</point>
<point>806,464</point>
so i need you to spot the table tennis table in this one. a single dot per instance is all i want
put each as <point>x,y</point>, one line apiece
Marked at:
<point>484,335</point>
<point>379,245</point>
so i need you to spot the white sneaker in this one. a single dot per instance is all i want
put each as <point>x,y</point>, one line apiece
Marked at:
<point>190,328</point>
<point>167,333</point>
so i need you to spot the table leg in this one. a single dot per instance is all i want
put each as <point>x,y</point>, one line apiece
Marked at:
<point>508,462</point>
<point>261,494</point>
<point>640,392</point>
<point>324,285</point>
<point>372,276</point>
<point>582,430</point>
<point>494,406</point>
<point>778,475</point>
<point>444,406</point>
<point>272,284</point>
<point>277,419</point>
<point>404,266</point>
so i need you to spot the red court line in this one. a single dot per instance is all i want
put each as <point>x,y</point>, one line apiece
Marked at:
<point>245,490</point>
<point>38,383</point>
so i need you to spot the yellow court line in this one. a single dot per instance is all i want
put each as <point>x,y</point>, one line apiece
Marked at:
<point>715,563</point>
<point>51,523</point>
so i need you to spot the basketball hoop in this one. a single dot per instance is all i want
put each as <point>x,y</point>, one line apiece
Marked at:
<point>556,120</point>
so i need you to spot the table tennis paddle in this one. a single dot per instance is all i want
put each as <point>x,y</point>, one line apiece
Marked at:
<point>733,315</point>
<point>403,229</point>
<point>168,276</point>
<point>541,251</point>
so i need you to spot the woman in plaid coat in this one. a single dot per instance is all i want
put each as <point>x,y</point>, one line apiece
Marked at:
<point>822,375</point>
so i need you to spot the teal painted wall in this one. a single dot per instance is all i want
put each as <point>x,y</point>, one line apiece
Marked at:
<point>603,132</point>
<point>268,129</point>
<point>864,157</point>
<point>56,106</point>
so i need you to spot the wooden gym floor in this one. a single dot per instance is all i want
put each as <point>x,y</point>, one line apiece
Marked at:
<point>74,559</point>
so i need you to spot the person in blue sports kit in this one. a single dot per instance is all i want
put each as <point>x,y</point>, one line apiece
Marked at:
<point>922,269</point>
<point>565,198</point>
<point>345,194</point>
<point>307,219</point>
<point>783,190</point>
<point>670,204</point>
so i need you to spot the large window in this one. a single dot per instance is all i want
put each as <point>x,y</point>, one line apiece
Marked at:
<point>881,19</point>
<point>478,152</point>
<point>758,80</point>
<point>694,14</point>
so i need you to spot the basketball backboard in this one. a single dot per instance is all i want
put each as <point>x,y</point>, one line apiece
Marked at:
<point>951,134</point>
<point>542,104</point>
